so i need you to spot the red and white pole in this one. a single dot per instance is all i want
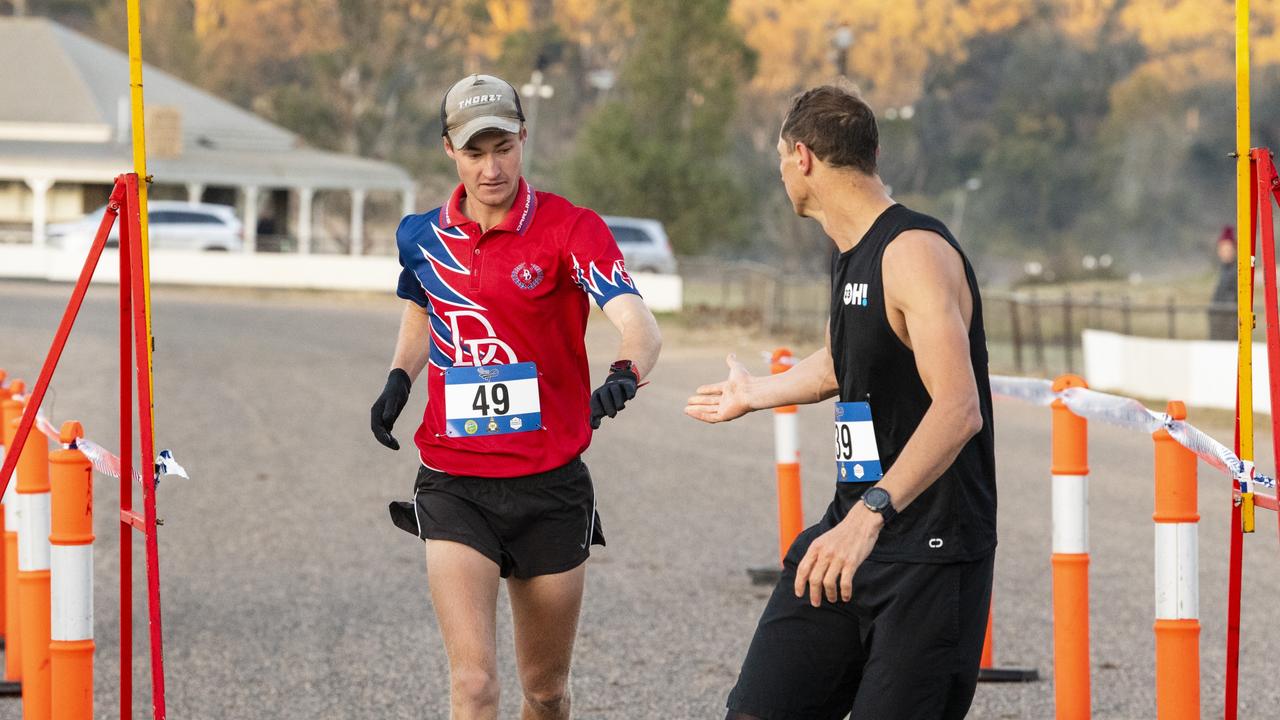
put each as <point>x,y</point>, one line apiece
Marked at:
<point>33,573</point>
<point>71,597</point>
<point>10,412</point>
<point>1177,625</point>
<point>1070,557</point>
<point>786,443</point>
<point>4,396</point>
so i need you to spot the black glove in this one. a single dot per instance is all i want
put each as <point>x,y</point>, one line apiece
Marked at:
<point>388,406</point>
<point>613,395</point>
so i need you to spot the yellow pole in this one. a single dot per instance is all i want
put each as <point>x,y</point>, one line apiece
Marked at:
<point>1244,255</point>
<point>140,168</point>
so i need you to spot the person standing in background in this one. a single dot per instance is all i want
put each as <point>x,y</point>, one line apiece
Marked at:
<point>1222,316</point>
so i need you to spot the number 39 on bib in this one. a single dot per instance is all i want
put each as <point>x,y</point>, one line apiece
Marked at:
<point>857,458</point>
<point>491,400</point>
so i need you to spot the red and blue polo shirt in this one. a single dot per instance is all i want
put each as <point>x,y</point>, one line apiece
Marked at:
<point>515,294</point>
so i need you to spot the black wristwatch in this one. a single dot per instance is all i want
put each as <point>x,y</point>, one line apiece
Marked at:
<point>877,500</point>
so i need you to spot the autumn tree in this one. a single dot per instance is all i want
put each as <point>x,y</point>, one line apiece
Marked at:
<point>659,150</point>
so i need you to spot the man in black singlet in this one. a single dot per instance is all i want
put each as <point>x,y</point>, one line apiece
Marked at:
<point>882,605</point>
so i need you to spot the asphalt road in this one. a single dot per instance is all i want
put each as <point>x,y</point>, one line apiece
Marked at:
<point>288,593</point>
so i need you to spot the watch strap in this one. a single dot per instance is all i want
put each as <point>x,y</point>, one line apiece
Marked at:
<point>627,366</point>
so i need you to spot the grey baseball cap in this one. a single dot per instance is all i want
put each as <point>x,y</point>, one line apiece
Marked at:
<point>477,103</point>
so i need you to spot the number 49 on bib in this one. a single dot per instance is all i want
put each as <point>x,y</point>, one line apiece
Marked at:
<point>491,400</point>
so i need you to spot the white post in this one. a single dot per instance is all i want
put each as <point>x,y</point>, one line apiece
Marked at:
<point>250,217</point>
<point>39,209</point>
<point>407,201</point>
<point>357,221</point>
<point>305,195</point>
<point>195,192</point>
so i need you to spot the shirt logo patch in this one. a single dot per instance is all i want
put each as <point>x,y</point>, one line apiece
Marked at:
<point>527,276</point>
<point>855,294</point>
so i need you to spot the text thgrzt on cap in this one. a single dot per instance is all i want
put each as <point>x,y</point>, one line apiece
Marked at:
<point>478,103</point>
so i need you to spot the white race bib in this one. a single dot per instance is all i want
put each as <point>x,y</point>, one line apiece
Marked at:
<point>857,457</point>
<point>491,400</point>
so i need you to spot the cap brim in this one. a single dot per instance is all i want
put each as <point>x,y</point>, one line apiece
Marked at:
<point>461,136</point>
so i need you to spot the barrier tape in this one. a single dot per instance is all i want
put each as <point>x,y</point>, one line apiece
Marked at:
<point>106,462</point>
<point>166,465</point>
<point>46,427</point>
<point>103,460</point>
<point>1129,413</point>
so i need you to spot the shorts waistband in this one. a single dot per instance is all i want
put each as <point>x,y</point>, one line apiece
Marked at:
<point>569,469</point>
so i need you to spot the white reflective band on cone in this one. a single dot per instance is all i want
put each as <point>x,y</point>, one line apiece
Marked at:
<point>71,592</point>
<point>1071,514</point>
<point>786,438</point>
<point>33,531</point>
<point>1177,571</point>
<point>11,505</point>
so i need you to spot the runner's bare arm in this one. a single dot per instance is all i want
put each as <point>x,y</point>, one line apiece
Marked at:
<point>413,344</point>
<point>641,340</point>
<point>925,289</point>
<point>811,380</point>
<point>925,281</point>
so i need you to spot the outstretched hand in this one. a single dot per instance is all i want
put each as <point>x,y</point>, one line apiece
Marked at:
<point>722,401</point>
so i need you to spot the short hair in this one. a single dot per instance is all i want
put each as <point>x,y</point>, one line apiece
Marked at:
<point>836,125</point>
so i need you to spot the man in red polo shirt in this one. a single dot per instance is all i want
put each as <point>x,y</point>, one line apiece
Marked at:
<point>498,283</point>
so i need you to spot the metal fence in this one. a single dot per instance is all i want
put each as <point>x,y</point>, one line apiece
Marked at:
<point>1033,331</point>
<point>1039,332</point>
<point>763,297</point>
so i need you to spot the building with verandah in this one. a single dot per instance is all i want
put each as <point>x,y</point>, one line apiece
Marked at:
<point>65,133</point>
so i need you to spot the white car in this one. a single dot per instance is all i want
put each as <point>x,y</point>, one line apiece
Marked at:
<point>643,243</point>
<point>172,225</point>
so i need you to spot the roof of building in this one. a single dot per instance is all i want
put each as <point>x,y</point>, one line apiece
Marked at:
<point>66,117</point>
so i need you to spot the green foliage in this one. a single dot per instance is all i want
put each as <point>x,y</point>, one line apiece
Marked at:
<point>660,150</point>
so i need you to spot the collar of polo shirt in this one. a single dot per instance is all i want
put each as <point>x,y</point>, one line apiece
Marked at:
<point>517,220</point>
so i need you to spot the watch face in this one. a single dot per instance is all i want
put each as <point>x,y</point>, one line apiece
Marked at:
<point>876,498</point>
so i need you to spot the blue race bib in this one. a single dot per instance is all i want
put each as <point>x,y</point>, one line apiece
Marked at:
<point>491,400</point>
<point>857,458</point>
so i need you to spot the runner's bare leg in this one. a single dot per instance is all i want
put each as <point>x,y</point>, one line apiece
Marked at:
<point>545,613</point>
<point>464,593</point>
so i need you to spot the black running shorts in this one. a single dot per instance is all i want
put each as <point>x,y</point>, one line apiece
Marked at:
<point>538,524</point>
<point>907,647</point>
